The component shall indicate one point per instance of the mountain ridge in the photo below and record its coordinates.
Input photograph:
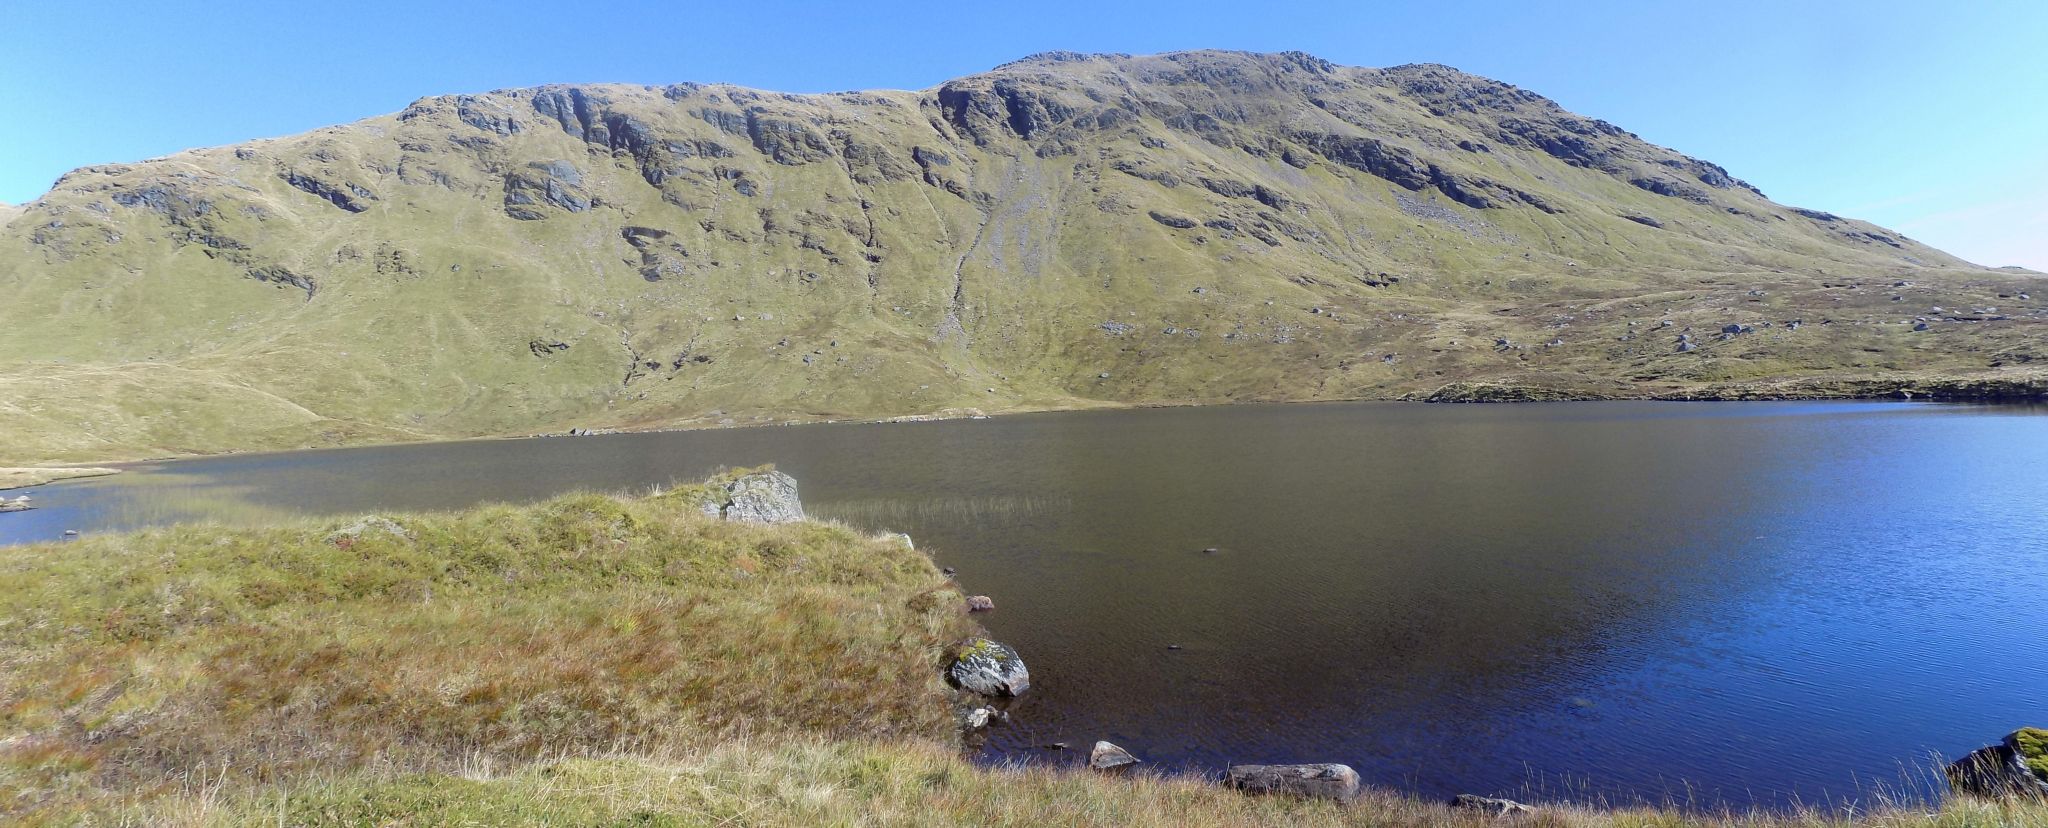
(1065, 230)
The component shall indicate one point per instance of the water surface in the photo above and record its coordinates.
(1714, 603)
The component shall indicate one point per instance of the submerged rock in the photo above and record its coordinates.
(1486, 804)
(1108, 757)
(2017, 766)
(990, 668)
(1315, 781)
(761, 497)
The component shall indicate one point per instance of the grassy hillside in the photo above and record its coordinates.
(591, 660)
(1063, 231)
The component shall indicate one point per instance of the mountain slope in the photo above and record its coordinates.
(1064, 231)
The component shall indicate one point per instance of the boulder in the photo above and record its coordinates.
(990, 668)
(760, 497)
(980, 603)
(1319, 781)
(2017, 766)
(1489, 805)
(1107, 757)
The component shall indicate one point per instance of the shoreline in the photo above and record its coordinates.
(2006, 390)
(25, 477)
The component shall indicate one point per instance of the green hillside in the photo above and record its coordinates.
(1063, 231)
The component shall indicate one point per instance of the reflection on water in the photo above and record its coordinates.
(1707, 603)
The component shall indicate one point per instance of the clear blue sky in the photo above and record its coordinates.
(1928, 117)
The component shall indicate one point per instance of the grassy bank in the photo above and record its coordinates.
(591, 660)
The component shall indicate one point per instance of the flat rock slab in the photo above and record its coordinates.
(1313, 781)
(1490, 805)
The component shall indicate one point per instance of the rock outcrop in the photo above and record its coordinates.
(990, 668)
(2016, 766)
(1313, 781)
(760, 497)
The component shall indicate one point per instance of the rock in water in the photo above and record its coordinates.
(1321, 781)
(1496, 807)
(1108, 757)
(761, 497)
(990, 668)
(2017, 766)
(980, 603)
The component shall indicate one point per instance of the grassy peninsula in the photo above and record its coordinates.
(589, 660)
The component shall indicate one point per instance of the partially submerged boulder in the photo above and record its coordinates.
(980, 603)
(990, 668)
(1107, 757)
(758, 497)
(2016, 766)
(1312, 781)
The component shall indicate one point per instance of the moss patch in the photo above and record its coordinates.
(2033, 747)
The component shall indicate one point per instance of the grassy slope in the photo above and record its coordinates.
(134, 325)
(591, 660)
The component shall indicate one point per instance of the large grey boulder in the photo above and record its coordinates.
(760, 497)
(1315, 781)
(2017, 766)
(990, 668)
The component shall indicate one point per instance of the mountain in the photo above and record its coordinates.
(1064, 231)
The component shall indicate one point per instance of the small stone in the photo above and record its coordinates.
(1110, 758)
(1103, 375)
(1173, 646)
(980, 603)
(71, 533)
(977, 718)
(1211, 551)
(946, 570)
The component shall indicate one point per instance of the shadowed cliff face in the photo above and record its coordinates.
(1067, 230)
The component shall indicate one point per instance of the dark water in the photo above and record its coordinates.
(1714, 603)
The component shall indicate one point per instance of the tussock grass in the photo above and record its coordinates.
(500, 635)
(590, 660)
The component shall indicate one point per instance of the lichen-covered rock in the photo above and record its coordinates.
(760, 497)
(2017, 766)
(1313, 781)
(1490, 805)
(990, 668)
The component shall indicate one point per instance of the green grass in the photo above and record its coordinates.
(124, 335)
